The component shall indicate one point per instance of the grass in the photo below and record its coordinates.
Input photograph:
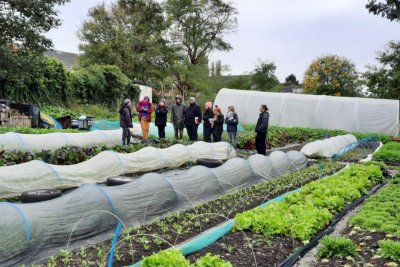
(389, 153)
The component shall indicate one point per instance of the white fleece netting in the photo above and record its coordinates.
(40, 175)
(37, 142)
(328, 147)
(354, 114)
(48, 224)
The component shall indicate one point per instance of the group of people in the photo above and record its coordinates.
(189, 117)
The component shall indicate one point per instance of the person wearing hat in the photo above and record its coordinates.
(208, 118)
(145, 108)
(177, 119)
(161, 118)
(193, 116)
(217, 125)
(262, 130)
(125, 121)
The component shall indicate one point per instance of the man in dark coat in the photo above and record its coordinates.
(161, 118)
(208, 117)
(193, 118)
(125, 121)
(262, 130)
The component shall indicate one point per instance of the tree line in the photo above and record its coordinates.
(162, 44)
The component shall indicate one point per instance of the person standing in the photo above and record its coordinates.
(193, 116)
(217, 125)
(161, 118)
(262, 130)
(208, 118)
(145, 108)
(232, 121)
(177, 118)
(125, 121)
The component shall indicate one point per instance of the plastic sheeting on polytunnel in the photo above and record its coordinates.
(354, 114)
(29, 232)
(37, 142)
(40, 175)
(328, 147)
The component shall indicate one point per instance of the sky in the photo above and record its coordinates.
(290, 33)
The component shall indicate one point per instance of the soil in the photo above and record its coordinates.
(255, 250)
(367, 250)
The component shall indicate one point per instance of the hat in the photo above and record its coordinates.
(178, 96)
(126, 101)
(192, 99)
(162, 100)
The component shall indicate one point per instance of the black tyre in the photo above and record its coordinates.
(210, 163)
(112, 181)
(39, 195)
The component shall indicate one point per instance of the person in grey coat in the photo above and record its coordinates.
(125, 121)
(177, 118)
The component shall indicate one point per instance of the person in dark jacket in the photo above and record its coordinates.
(217, 125)
(208, 118)
(161, 118)
(232, 121)
(262, 130)
(193, 116)
(177, 119)
(125, 121)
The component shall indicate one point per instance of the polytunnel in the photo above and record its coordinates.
(330, 146)
(354, 114)
(30, 232)
(37, 174)
(37, 142)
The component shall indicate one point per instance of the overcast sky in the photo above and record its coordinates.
(291, 33)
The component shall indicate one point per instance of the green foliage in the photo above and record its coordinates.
(386, 8)
(166, 258)
(332, 75)
(384, 81)
(212, 261)
(22, 42)
(340, 247)
(240, 82)
(291, 80)
(389, 153)
(128, 34)
(102, 84)
(306, 212)
(98, 111)
(381, 212)
(389, 249)
(263, 77)
(26, 130)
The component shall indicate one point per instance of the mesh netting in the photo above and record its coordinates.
(29, 232)
(330, 146)
(37, 142)
(40, 175)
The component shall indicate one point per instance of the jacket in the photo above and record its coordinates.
(231, 121)
(262, 123)
(177, 118)
(208, 114)
(191, 112)
(161, 116)
(148, 112)
(219, 124)
(125, 117)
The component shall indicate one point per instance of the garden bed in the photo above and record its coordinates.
(184, 225)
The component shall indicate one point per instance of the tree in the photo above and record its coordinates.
(291, 80)
(22, 24)
(386, 8)
(198, 27)
(332, 75)
(384, 81)
(218, 68)
(263, 77)
(130, 35)
(212, 70)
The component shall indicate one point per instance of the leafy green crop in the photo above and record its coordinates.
(336, 247)
(304, 213)
(381, 212)
(389, 153)
(389, 249)
(212, 261)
